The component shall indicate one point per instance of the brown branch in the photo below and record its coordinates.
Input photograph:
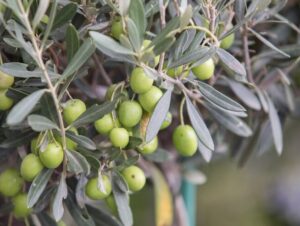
(102, 70)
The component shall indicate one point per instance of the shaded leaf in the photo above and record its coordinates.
(82, 55)
(199, 125)
(41, 123)
(205, 152)
(61, 194)
(94, 113)
(231, 63)
(77, 163)
(18, 139)
(20, 111)
(38, 186)
(137, 14)
(276, 127)
(64, 15)
(231, 122)
(72, 41)
(218, 98)
(160, 155)
(102, 218)
(83, 141)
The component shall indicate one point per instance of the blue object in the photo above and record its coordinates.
(189, 193)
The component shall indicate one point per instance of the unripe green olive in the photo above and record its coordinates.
(145, 44)
(5, 101)
(111, 203)
(150, 147)
(31, 166)
(71, 145)
(139, 82)
(52, 156)
(61, 223)
(185, 140)
(6, 80)
(92, 190)
(2, 8)
(204, 71)
(73, 109)
(117, 28)
(10, 182)
(177, 72)
(21, 210)
(167, 122)
(227, 42)
(119, 137)
(149, 99)
(105, 124)
(130, 113)
(134, 177)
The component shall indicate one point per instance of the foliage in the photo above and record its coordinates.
(52, 51)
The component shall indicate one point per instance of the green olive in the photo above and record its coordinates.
(150, 147)
(52, 156)
(117, 28)
(139, 82)
(31, 166)
(73, 109)
(130, 113)
(92, 190)
(5, 101)
(204, 71)
(34, 145)
(10, 182)
(134, 177)
(111, 203)
(228, 41)
(119, 137)
(105, 124)
(185, 140)
(6, 80)
(109, 91)
(167, 122)
(149, 99)
(71, 145)
(21, 210)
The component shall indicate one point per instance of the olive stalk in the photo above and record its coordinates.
(41, 64)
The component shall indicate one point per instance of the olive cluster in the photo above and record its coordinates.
(6, 81)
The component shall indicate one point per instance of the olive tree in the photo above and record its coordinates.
(99, 98)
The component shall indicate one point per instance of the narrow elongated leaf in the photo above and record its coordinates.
(82, 55)
(164, 45)
(77, 163)
(197, 56)
(80, 215)
(102, 218)
(231, 63)
(199, 125)
(38, 186)
(267, 43)
(158, 116)
(160, 155)
(137, 14)
(61, 194)
(19, 70)
(134, 36)
(40, 12)
(186, 16)
(107, 45)
(41, 123)
(245, 95)
(231, 122)
(218, 98)
(18, 139)
(94, 113)
(122, 201)
(64, 15)
(276, 127)
(205, 152)
(24, 107)
(83, 141)
(72, 41)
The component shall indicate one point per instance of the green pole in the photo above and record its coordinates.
(189, 193)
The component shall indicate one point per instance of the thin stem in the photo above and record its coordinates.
(181, 111)
(10, 219)
(162, 10)
(247, 55)
(51, 88)
(26, 221)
